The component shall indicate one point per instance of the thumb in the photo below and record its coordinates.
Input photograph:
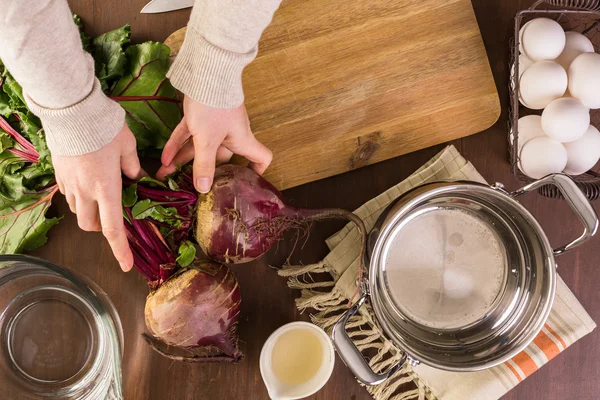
(204, 167)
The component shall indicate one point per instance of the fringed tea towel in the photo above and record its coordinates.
(568, 321)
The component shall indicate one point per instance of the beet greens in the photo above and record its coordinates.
(158, 217)
(134, 75)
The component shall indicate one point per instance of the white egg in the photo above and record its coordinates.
(541, 83)
(565, 119)
(530, 126)
(521, 37)
(584, 79)
(583, 153)
(575, 45)
(524, 63)
(542, 39)
(542, 156)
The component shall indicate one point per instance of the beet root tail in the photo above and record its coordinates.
(341, 214)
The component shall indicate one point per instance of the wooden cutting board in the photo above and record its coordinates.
(341, 84)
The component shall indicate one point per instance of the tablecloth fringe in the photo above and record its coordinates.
(329, 305)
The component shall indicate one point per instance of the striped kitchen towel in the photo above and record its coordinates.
(568, 322)
(328, 299)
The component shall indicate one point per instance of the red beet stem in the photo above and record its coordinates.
(27, 147)
(166, 194)
(144, 260)
(24, 155)
(339, 214)
(140, 264)
(150, 250)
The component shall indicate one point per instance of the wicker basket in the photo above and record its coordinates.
(582, 16)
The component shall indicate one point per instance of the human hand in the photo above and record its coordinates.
(211, 136)
(92, 185)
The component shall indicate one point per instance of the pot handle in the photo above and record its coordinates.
(576, 199)
(352, 357)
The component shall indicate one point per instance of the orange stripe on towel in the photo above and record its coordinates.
(525, 363)
(547, 345)
(556, 335)
(514, 371)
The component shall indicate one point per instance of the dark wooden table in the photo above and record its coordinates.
(268, 303)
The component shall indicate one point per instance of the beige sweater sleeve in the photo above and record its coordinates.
(221, 39)
(40, 46)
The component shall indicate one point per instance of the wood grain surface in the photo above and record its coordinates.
(267, 301)
(354, 83)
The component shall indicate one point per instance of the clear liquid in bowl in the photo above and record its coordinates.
(52, 338)
(60, 336)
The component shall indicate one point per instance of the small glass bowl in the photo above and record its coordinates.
(60, 336)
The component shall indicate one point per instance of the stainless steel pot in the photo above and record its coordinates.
(461, 276)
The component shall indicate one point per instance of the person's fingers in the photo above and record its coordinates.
(71, 202)
(87, 215)
(178, 138)
(61, 186)
(130, 165)
(185, 155)
(223, 155)
(204, 164)
(111, 218)
(257, 153)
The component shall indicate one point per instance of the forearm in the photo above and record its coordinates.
(40, 46)
(221, 39)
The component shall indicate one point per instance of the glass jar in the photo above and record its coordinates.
(60, 336)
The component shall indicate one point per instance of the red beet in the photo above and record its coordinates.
(193, 305)
(239, 220)
(197, 310)
(243, 216)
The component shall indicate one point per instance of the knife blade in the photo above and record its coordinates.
(160, 6)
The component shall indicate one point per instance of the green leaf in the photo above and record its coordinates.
(155, 210)
(5, 108)
(37, 236)
(23, 224)
(14, 92)
(30, 124)
(31, 128)
(172, 184)
(164, 231)
(5, 141)
(35, 177)
(130, 196)
(85, 39)
(187, 253)
(109, 55)
(150, 119)
(152, 181)
(11, 179)
(143, 209)
(126, 217)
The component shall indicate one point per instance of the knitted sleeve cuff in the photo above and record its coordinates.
(83, 127)
(209, 74)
